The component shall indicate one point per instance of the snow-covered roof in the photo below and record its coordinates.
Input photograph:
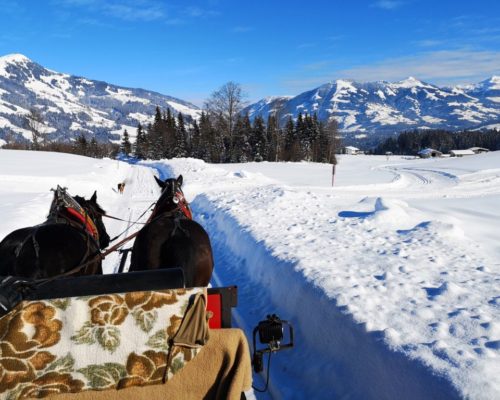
(352, 148)
(429, 151)
(474, 149)
(468, 152)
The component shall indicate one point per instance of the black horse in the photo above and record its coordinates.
(173, 239)
(72, 236)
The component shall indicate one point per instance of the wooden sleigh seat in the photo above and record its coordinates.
(123, 344)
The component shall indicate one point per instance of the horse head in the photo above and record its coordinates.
(172, 197)
(95, 212)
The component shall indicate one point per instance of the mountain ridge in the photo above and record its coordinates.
(382, 107)
(72, 105)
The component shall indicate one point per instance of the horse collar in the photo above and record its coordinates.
(73, 212)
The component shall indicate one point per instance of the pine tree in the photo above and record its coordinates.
(259, 140)
(218, 147)
(290, 141)
(180, 147)
(93, 149)
(299, 139)
(272, 138)
(155, 137)
(315, 137)
(141, 145)
(154, 143)
(81, 145)
(126, 146)
(206, 138)
(195, 143)
(169, 135)
(238, 142)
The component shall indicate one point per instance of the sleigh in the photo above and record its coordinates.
(135, 335)
(140, 334)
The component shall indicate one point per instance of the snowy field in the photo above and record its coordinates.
(391, 278)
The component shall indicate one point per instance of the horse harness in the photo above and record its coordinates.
(66, 210)
(180, 212)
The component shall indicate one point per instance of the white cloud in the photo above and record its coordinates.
(197, 12)
(128, 10)
(388, 4)
(440, 67)
(444, 67)
(428, 43)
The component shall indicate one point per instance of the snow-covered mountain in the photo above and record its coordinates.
(72, 105)
(383, 107)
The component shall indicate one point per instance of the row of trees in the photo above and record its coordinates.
(39, 141)
(224, 134)
(81, 147)
(167, 137)
(411, 142)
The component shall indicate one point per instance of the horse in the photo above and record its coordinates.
(172, 239)
(68, 242)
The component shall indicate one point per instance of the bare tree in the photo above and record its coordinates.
(34, 122)
(224, 105)
(333, 140)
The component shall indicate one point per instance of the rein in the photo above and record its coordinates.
(94, 258)
(124, 220)
(135, 222)
(102, 255)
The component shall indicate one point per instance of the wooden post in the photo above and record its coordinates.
(333, 174)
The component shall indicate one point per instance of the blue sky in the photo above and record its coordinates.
(188, 49)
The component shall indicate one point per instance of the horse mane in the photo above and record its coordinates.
(83, 202)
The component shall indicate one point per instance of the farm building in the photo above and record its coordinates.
(429, 153)
(479, 150)
(351, 150)
(461, 153)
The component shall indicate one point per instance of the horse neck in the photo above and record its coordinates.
(164, 208)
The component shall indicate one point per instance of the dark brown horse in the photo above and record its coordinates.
(173, 239)
(72, 235)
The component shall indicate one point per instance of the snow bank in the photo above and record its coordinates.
(389, 300)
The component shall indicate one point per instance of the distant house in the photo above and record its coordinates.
(429, 153)
(351, 150)
(479, 150)
(461, 153)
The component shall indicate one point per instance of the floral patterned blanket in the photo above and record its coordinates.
(101, 342)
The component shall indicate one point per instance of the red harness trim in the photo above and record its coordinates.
(87, 222)
(183, 205)
(186, 211)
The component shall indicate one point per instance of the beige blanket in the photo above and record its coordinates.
(221, 370)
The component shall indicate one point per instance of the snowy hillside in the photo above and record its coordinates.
(383, 107)
(72, 105)
(391, 278)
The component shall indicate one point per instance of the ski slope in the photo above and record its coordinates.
(391, 278)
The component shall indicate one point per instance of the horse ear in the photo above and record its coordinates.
(93, 199)
(179, 180)
(159, 182)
